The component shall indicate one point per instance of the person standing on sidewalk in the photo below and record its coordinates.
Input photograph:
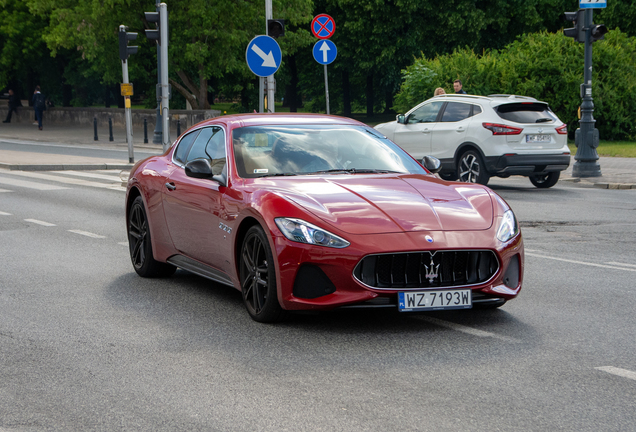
(14, 103)
(39, 105)
(459, 88)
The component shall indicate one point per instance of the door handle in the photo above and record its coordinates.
(461, 129)
(171, 186)
(426, 131)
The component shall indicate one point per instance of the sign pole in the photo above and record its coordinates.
(127, 107)
(269, 14)
(327, 89)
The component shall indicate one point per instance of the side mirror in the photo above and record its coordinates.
(401, 118)
(200, 168)
(432, 164)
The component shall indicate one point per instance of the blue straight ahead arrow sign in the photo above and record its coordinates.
(263, 56)
(325, 52)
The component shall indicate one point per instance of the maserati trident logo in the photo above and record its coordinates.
(432, 271)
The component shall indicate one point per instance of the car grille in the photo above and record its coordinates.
(429, 269)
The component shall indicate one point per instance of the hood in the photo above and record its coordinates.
(359, 204)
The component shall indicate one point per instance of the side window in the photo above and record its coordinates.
(184, 147)
(426, 113)
(210, 144)
(476, 110)
(456, 111)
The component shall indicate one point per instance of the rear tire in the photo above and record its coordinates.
(471, 168)
(258, 278)
(544, 181)
(140, 244)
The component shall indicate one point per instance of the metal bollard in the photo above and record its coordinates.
(110, 129)
(95, 127)
(145, 131)
(178, 128)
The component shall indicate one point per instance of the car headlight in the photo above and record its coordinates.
(508, 228)
(303, 232)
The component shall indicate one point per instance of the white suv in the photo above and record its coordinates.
(477, 137)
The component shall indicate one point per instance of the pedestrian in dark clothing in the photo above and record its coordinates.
(39, 105)
(14, 103)
(459, 88)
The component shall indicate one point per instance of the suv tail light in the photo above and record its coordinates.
(499, 129)
(562, 130)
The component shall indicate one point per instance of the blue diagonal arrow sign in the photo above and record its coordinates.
(325, 52)
(263, 56)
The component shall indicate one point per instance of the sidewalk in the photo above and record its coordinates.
(617, 173)
(80, 136)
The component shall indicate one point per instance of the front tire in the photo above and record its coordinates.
(544, 181)
(258, 277)
(140, 245)
(471, 168)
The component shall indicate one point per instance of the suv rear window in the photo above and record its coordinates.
(526, 113)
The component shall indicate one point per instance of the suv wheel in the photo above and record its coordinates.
(544, 181)
(471, 168)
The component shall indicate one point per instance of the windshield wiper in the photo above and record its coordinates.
(543, 120)
(280, 174)
(356, 171)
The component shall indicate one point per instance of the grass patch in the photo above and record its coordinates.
(612, 148)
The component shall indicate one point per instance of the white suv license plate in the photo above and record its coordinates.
(435, 300)
(538, 138)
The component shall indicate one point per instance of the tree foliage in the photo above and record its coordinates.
(543, 65)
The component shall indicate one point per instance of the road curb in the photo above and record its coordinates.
(65, 167)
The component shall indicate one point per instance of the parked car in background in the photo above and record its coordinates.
(314, 212)
(477, 137)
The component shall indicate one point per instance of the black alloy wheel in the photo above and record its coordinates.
(140, 245)
(471, 168)
(544, 181)
(258, 277)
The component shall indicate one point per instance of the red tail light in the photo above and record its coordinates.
(562, 130)
(499, 129)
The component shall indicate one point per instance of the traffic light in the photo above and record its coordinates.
(155, 34)
(597, 32)
(578, 31)
(275, 28)
(124, 37)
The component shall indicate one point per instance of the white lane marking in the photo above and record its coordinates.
(580, 262)
(39, 222)
(114, 179)
(4, 213)
(5, 190)
(87, 234)
(617, 371)
(466, 329)
(621, 264)
(123, 243)
(30, 185)
(66, 180)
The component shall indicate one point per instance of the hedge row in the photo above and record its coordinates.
(545, 66)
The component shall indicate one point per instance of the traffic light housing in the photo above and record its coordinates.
(578, 31)
(597, 32)
(155, 34)
(124, 49)
(275, 28)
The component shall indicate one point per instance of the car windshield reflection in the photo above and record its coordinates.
(317, 150)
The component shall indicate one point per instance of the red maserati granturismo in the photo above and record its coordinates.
(316, 212)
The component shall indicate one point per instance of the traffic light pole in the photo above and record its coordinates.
(163, 27)
(157, 136)
(269, 14)
(587, 137)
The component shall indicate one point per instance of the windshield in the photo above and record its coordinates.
(262, 151)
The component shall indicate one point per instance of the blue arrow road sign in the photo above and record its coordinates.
(592, 4)
(325, 52)
(263, 56)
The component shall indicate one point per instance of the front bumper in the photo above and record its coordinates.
(320, 278)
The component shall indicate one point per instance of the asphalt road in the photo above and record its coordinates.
(86, 344)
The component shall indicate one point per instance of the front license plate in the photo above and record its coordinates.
(435, 300)
(538, 138)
